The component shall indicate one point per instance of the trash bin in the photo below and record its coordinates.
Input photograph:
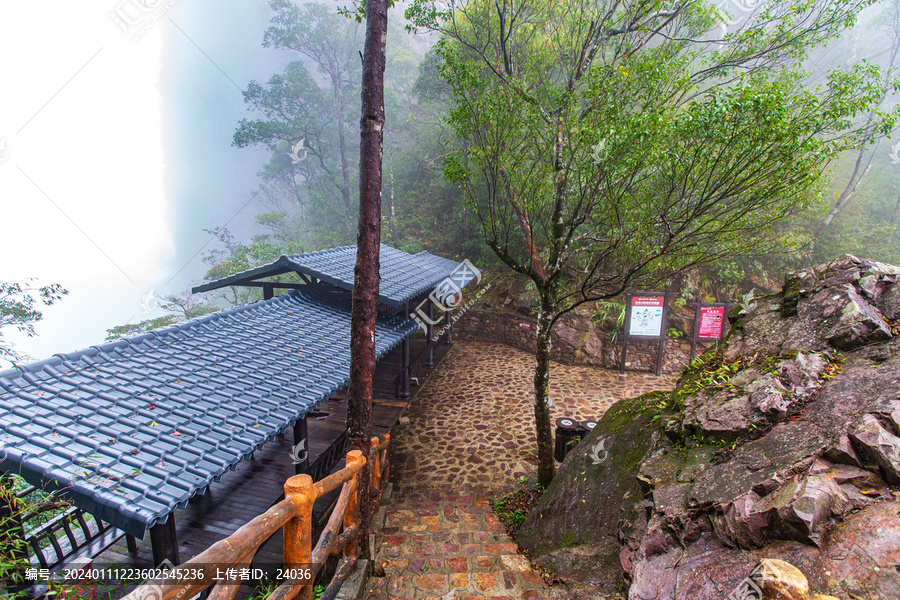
(568, 432)
(588, 425)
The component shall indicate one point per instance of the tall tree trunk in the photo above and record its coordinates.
(546, 466)
(368, 240)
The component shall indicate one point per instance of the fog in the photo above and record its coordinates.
(116, 127)
(118, 152)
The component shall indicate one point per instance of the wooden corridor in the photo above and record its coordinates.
(258, 483)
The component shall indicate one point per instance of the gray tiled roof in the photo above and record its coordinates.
(403, 276)
(134, 428)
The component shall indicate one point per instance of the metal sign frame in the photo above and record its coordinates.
(629, 296)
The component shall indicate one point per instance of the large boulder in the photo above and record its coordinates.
(784, 445)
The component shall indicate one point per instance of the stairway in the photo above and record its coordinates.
(447, 543)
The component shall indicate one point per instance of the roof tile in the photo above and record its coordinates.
(101, 423)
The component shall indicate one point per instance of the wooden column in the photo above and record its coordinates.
(268, 291)
(404, 364)
(164, 542)
(301, 436)
(429, 333)
(449, 339)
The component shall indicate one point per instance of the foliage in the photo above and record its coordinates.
(132, 329)
(606, 146)
(513, 508)
(19, 308)
(38, 507)
(181, 307)
(307, 118)
(235, 257)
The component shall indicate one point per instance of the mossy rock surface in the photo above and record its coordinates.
(785, 444)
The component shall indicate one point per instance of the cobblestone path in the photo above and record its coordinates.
(470, 438)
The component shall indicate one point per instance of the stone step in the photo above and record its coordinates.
(479, 563)
(494, 584)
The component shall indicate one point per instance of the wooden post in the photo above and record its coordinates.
(696, 334)
(268, 291)
(449, 338)
(662, 334)
(164, 542)
(404, 364)
(386, 444)
(429, 333)
(627, 326)
(298, 530)
(375, 482)
(301, 436)
(352, 514)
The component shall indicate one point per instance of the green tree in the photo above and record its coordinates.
(317, 109)
(235, 256)
(864, 153)
(607, 145)
(181, 307)
(19, 308)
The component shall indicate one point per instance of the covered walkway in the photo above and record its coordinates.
(134, 430)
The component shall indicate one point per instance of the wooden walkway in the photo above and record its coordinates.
(258, 483)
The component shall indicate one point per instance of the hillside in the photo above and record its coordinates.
(785, 445)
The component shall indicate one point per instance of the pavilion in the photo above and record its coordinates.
(132, 430)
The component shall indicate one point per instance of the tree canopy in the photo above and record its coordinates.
(20, 308)
(604, 145)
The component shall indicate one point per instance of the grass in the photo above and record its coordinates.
(512, 510)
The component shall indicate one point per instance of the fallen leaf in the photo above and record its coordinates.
(177, 432)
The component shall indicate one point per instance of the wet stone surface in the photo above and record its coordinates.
(470, 438)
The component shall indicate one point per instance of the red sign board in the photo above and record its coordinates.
(648, 301)
(711, 320)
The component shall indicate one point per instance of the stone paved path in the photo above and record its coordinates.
(470, 439)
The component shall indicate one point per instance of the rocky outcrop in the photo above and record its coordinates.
(785, 445)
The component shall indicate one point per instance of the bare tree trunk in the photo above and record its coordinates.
(853, 183)
(543, 428)
(368, 240)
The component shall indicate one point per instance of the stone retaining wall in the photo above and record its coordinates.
(576, 341)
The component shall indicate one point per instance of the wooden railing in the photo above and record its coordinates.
(293, 514)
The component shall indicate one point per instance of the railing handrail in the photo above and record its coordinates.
(294, 514)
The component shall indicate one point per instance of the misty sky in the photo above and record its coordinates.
(115, 150)
(118, 151)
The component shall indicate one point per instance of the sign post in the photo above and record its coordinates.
(646, 314)
(710, 322)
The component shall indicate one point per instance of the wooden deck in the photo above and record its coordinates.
(256, 484)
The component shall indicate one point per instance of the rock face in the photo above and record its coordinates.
(577, 340)
(786, 445)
